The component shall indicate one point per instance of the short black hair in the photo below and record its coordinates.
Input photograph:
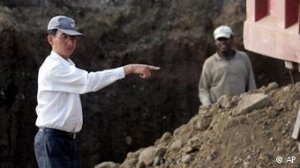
(52, 32)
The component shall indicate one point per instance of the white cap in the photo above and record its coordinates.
(64, 24)
(223, 31)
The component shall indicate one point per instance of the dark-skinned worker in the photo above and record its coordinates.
(227, 72)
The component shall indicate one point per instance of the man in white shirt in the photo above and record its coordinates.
(59, 111)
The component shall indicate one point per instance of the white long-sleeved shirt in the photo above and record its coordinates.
(59, 85)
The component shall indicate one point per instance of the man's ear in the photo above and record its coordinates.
(216, 42)
(50, 39)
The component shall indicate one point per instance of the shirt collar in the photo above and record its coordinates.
(61, 59)
(219, 58)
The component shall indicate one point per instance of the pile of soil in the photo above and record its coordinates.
(228, 136)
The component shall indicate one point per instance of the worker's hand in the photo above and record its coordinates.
(144, 71)
(205, 107)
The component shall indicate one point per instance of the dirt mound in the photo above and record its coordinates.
(252, 130)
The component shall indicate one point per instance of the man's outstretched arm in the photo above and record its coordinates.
(144, 71)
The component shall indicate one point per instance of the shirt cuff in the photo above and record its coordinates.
(120, 71)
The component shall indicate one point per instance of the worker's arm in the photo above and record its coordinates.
(251, 79)
(204, 86)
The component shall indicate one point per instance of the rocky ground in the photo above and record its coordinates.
(249, 131)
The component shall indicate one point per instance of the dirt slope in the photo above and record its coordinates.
(219, 137)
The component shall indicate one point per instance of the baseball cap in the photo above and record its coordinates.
(223, 31)
(64, 24)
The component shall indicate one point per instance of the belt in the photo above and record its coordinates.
(71, 135)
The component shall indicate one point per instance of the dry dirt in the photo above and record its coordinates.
(215, 138)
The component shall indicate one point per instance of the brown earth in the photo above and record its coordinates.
(216, 138)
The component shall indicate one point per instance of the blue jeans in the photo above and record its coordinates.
(55, 149)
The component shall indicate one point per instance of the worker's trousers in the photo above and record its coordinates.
(55, 149)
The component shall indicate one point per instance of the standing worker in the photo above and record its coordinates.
(59, 111)
(227, 72)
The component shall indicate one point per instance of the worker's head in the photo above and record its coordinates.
(223, 32)
(62, 35)
(223, 38)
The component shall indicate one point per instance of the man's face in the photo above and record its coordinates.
(63, 44)
(224, 44)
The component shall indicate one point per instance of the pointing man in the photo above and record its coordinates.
(60, 82)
